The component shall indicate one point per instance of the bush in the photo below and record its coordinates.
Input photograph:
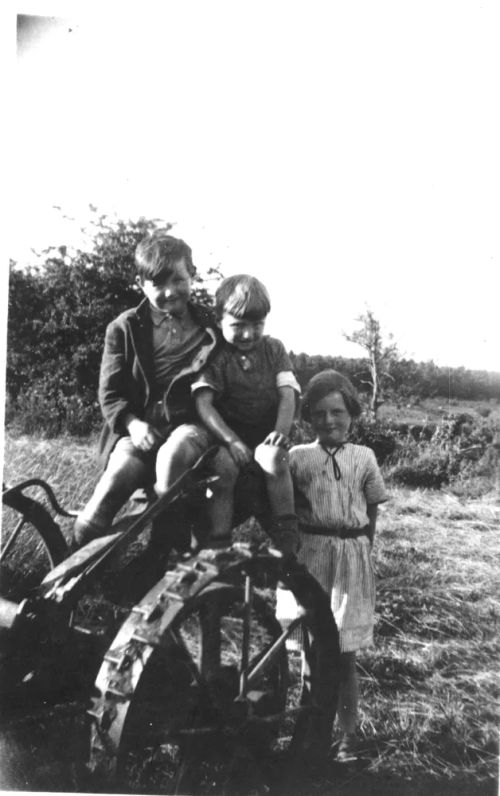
(428, 470)
(379, 435)
(458, 450)
(41, 410)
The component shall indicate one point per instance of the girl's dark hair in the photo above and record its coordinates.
(242, 296)
(156, 255)
(323, 384)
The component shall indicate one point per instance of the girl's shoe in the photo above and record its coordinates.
(348, 751)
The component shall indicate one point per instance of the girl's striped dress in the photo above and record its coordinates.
(333, 489)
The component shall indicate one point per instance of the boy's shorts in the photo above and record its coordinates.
(197, 436)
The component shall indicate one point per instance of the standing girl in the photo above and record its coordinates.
(338, 487)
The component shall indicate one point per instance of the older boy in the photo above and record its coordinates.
(151, 356)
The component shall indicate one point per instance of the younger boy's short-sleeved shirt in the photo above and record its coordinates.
(246, 385)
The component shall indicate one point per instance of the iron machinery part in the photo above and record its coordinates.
(9, 491)
(44, 539)
(19, 619)
(9, 611)
(37, 656)
(71, 578)
(194, 691)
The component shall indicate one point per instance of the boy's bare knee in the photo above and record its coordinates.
(226, 469)
(178, 449)
(187, 441)
(176, 455)
(272, 459)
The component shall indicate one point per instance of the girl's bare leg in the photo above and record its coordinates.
(348, 694)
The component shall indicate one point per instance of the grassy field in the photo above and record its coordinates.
(430, 685)
(434, 409)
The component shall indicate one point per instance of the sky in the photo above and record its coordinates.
(345, 153)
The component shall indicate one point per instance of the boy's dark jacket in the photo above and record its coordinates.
(126, 377)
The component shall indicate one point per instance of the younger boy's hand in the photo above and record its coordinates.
(280, 440)
(144, 436)
(241, 453)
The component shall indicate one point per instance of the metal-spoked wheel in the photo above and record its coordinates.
(187, 729)
(194, 693)
(32, 542)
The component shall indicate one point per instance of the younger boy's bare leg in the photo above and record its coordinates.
(221, 506)
(274, 462)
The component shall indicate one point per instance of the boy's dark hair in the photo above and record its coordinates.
(156, 254)
(242, 296)
(323, 384)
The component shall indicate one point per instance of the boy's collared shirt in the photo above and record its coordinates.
(246, 383)
(175, 342)
(126, 383)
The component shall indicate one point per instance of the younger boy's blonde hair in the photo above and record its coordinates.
(243, 296)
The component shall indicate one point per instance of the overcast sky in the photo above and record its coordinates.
(346, 153)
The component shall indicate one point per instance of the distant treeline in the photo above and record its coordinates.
(409, 379)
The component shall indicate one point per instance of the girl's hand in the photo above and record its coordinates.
(144, 436)
(240, 452)
(280, 440)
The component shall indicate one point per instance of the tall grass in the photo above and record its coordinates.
(430, 685)
(69, 464)
(70, 468)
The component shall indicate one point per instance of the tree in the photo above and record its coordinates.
(380, 357)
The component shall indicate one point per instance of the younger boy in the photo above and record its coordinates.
(246, 397)
(151, 356)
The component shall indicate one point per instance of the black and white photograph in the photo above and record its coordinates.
(216, 580)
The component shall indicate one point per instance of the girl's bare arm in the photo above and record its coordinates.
(372, 510)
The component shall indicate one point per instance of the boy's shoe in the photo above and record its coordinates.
(348, 750)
